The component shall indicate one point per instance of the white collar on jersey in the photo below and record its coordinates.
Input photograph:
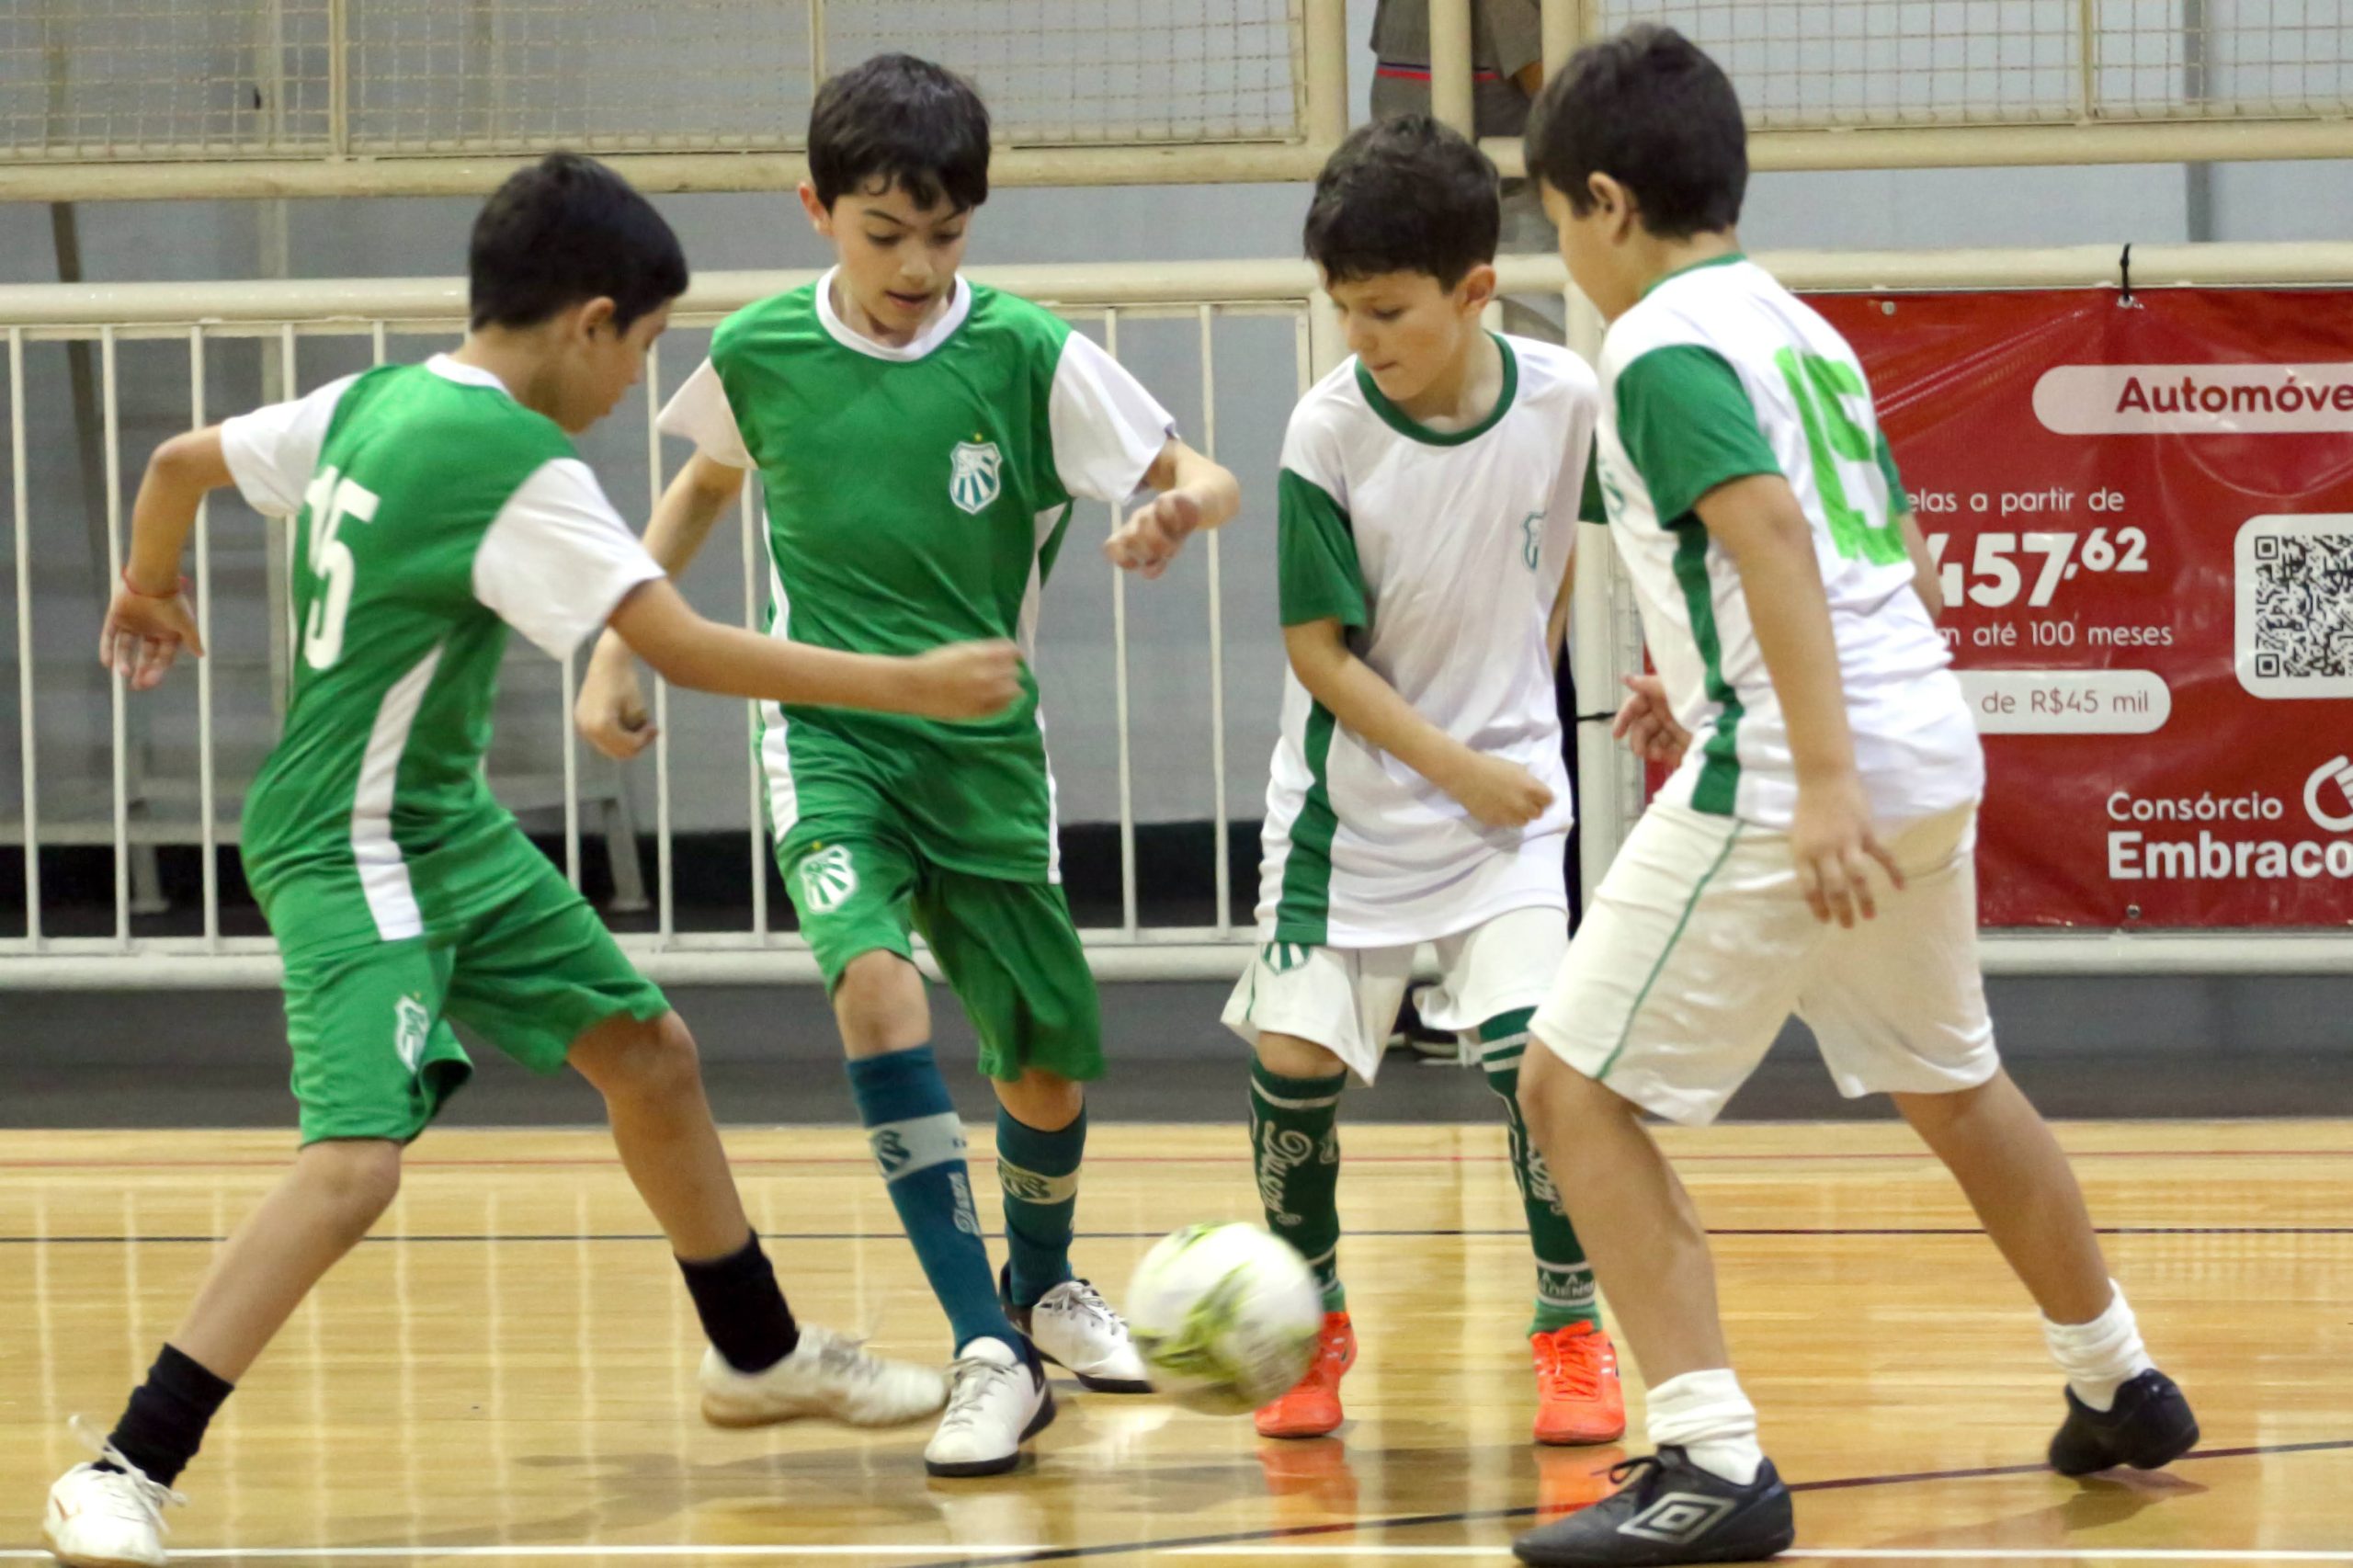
(932, 337)
(450, 370)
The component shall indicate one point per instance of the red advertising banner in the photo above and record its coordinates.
(2143, 513)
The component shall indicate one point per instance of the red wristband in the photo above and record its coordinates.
(140, 593)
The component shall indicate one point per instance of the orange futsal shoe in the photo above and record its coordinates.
(1579, 1399)
(1312, 1409)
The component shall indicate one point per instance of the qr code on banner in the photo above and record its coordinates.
(2295, 605)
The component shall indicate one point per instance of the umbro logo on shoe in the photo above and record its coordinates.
(1678, 1519)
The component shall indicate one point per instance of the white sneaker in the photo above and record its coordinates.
(827, 1374)
(996, 1401)
(1076, 1328)
(107, 1518)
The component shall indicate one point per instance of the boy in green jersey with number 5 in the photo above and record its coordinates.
(920, 441)
(435, 506)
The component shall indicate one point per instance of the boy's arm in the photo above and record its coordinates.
(610, 710)
(1924, 567)
(1497, 791)
(1195, 493)
(149, 617)
(963, 680)
(1761, 524)
(1556, 625)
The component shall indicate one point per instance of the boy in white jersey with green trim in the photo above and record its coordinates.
(920, 443)
(435, 506)
(1813, 852)
(1429, 495)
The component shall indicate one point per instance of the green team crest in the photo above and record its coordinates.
(828, 879)
(973, 480)
(410, 1024)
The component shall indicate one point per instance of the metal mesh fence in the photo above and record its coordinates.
(122, 79)
(1888, 62)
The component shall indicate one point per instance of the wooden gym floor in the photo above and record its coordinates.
(504, 1372)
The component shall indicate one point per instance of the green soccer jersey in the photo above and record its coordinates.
(917, 495)
(432, 512)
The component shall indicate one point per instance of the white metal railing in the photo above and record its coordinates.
(285, 317)
(1606, 638)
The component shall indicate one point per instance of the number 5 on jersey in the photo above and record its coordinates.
(329, 500)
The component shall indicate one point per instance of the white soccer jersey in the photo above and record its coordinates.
(1442, 553)
(1718, 373)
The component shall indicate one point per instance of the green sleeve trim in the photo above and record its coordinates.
(1316, 546)
(1687, 426)
(1717, 789)
(1591, 506)
(1898, 501)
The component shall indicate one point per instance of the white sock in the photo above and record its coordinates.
(1706, 1415)
(2102, 1355)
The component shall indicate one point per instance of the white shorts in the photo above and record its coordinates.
(1345, 999)
(1699, 947)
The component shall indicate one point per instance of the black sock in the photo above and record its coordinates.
(163, 1424)
(742, 1310)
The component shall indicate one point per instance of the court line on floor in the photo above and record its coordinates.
(1472, 1234)
(993, 1555)
(1264, 1543)
(754, 1161)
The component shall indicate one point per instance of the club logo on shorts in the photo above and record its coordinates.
(827, 880)
(411, 1025)
(972, 480)
(1678, 1519)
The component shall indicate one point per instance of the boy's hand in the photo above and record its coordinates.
(144, 634)
(965, 680)
(1647, 725)
(610, 710)
(1833, 846)
(1499, 792)
(1153, 535)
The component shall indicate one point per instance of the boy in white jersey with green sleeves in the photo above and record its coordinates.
(1429, 494)
(1812, 852)
(920, 442)
(434, 507)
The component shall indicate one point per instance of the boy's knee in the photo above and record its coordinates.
(1289, 1056)
(1044, 1099)
(879, 1002)
(1551, 1090)
(653, 1058)
(356, 1178)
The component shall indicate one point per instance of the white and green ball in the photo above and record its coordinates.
(1226, 1317)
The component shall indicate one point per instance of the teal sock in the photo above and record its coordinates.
(1295, 1144)
(1565, 1287)
(1037, 1172)
(919, 1141)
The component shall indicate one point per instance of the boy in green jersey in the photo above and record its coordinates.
(437, 506)
(920, 441)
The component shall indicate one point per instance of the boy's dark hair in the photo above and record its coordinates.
(905, 122)
(1403, 195)
(565, 231)
(1649, 110)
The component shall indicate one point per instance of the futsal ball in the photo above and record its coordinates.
(1226, 1317)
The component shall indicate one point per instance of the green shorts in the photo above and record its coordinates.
(1008, 949)
(374, 1056)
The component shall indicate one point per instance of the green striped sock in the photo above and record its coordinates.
(1565, 1287)
(1295, 1146)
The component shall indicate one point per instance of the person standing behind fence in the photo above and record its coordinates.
(1507, 72)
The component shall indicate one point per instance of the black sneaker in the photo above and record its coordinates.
(1668, 1511)
(2149, 1425)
